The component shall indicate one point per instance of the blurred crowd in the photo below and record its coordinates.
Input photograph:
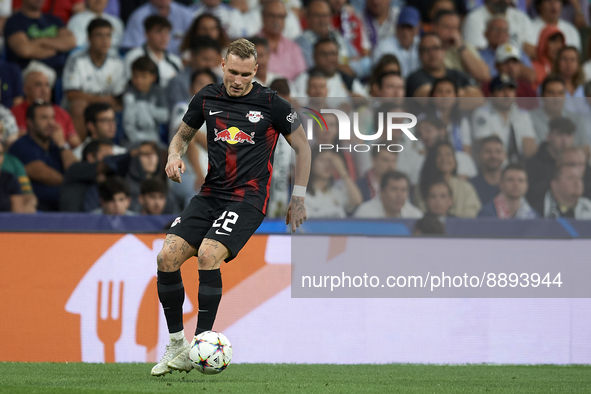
(93, 91)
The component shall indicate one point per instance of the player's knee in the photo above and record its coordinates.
(207, 258)
(165, 262)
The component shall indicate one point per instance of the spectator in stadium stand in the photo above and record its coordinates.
(382, 162)
(389, 85)
(317, 88)
(152, 197)
(392, 201)
(79, 192)
(408, 162)
(565, 197)
(575, 157)
(204, 25)
(405, 43)
(264, 76)
(206, 54)
(13, 166)
(37, 88)
(432, 54)
(549, 15)
(95, 9)
(12, 84)
(459, 55)
(326, 60)
(553, 93)
(430, 130)
(99, 119)
(93, 75)
(550, 42)
(491, 156)
(197, 158)
(44, 153)
(11, 196)
(179, 16)
(428, 225)
(346, 21)
(484, 24)
(33, 35)
(148, 164)
(541, 166)
(380, 19)
(145, 108)
(115, 197)
(501, 116)
(281, 86)
(387, 63)
(445, 106)
(232, 19)
(9, 131)
(510, 203)
(440, 164)
(285, 56)
(507, 61)
(63, 9)
(439, 200)
(568, 66)
(254, 18)
(318, 19)
(433, 7)
(325, 137)
(576, 12)
(500, 49)
(325, 196)
(157, 37)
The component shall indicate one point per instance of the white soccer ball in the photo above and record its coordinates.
(211, 352)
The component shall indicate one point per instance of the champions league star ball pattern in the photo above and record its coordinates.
(211, 352)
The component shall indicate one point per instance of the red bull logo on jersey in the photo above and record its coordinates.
(233, 135)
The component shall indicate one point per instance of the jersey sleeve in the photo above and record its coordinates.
(194, 117)
(72, 79)
(13, 186)
(284, 117)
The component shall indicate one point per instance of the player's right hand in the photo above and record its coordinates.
(174, 168)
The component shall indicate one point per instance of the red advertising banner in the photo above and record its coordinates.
(92, 297)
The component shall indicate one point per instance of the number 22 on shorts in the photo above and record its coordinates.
(229, 218)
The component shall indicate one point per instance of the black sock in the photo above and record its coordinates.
(210, 295)
(171, 293)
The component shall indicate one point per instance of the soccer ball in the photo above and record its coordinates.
(210, 353)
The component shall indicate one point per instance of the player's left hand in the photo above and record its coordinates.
(296, 213)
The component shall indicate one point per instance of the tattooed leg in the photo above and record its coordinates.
(171, 291)
(211, 254)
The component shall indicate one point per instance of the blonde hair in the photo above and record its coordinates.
(242, 48)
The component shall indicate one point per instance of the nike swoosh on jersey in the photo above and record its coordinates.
(216, 112)
(218, 232)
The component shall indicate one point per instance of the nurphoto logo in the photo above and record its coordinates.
(392, 120)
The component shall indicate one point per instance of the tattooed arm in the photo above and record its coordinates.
(178, 147)
(296, 214)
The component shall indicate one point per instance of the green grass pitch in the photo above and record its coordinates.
(81, 378)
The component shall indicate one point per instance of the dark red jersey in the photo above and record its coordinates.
(242, 133)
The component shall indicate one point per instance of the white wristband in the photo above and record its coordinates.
(299, 191)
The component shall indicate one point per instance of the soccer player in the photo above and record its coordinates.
(244, 121)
